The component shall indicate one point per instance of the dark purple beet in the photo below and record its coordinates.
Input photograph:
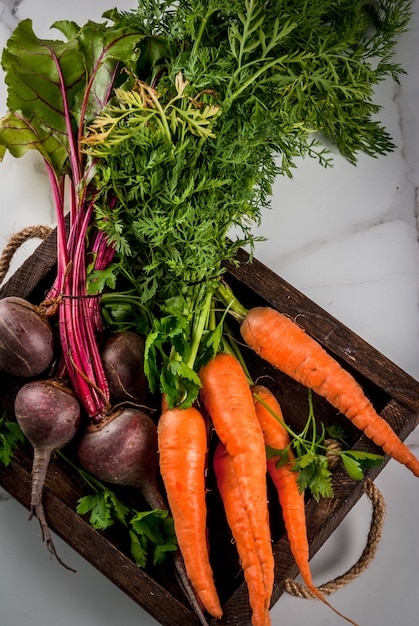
(123, 362)
(122, 449)
(26, 339)
(49, 416)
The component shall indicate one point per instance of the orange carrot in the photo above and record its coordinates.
(285, 481)
(182, 440)
(227, 397)
(286, 346)
(239, 524)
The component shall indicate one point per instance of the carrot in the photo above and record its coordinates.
(182, 441)
(239, 524)
(286, 346)
(227, 397)
(285, 481)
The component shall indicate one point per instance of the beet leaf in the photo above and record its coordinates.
(55, 88)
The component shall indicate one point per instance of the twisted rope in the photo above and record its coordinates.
(16, 240)
(378, 513)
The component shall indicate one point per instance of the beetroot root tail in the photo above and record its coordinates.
(38, 511)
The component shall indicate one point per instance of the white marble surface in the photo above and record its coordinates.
(348, 238)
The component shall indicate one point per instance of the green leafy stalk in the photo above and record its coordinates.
(54, 89)
(216, 100)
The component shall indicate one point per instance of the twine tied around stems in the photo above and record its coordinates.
(378, 513)
(16, 240)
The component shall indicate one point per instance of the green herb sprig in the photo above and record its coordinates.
(311, 448)
(11, 437)
(151, 532)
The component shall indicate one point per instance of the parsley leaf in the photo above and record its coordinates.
(314, 474)
(152, 532)
(355, 461)
(10, 438)
(311, 455)
(104, 507)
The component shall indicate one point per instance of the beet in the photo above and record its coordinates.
(26, 338)
(122, 449)
(123, 362)
(49, 416)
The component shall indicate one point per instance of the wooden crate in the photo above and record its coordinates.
(394, 394)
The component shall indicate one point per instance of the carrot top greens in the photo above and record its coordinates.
(224, 98)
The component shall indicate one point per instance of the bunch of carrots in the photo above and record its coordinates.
(246, 419)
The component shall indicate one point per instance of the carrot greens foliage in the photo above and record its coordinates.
(225, 97)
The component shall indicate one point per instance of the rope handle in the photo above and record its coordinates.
(377, 520)
(16, 240)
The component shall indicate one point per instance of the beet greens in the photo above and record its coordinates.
(52, 95)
